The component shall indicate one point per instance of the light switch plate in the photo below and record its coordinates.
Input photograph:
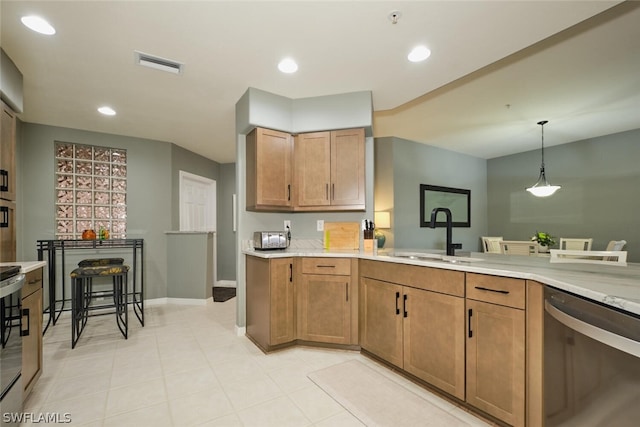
(320, 225)
(287, 225)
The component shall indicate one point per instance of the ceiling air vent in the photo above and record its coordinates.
(158, 63)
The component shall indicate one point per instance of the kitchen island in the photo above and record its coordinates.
(469, 327)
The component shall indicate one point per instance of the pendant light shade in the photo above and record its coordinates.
(542, 188)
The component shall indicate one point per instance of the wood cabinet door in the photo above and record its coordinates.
(381, 319)
(281, 301)
(434, 339)
(269, 158)
(496, 361)
(324, 312)
(312, 169)
(347, 167)
(7, 231)
(7, 154)
(32, 343)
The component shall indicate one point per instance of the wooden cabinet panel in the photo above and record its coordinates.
(434, 343)
(32, 343)
(282, 301)
(330, 170)
(496, 361)
(324, 309)
(347, 167)
(326, 265)
(7, 231)
(7, 153)
(312, 154)
(269, 171)
(270, 301)
(381, 319)
(497, 290)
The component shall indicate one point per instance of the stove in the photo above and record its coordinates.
(8, 271)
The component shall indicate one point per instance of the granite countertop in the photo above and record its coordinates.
(617, 286)
(25, 266)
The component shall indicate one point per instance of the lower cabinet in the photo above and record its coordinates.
(420, 331)
(496, 346)
(32, 343)
(270, 301)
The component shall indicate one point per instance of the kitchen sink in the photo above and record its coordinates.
(436, 257)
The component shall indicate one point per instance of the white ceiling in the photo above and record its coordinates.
(585, 81)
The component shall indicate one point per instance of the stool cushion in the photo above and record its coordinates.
(106, 270)
(96, 262)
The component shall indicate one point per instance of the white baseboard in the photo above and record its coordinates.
(179, 301)
(226, 283)
(241, 330)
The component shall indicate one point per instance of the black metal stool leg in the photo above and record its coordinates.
(120, 299)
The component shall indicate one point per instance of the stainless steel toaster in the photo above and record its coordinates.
(263, 240)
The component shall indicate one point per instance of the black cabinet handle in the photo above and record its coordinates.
(4, 216)
(4, 180)
(289, 192)
(499, 291)
(404, 306)
(470, 331)
(325, 266)
(346, 288)
(326, 191)
(25, 313)
(290, 272)
(397, 299)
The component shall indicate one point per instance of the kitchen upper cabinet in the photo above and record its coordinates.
(329, 170)
(417, 329)
(7, 231)
(496, 346)
(325, 300)
(7, 153)
(270, 304)
(32, 343)
(269, 156)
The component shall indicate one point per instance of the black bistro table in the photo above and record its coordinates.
(54, 250)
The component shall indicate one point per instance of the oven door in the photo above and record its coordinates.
(591, 363)
(11, 331)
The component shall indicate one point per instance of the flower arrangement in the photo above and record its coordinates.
(543, 239)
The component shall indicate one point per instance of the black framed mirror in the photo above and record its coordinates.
(457, 200)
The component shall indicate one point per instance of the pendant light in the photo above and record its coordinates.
(542, 188)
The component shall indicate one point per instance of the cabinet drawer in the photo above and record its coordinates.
(32, 282)
(321, 265)
(497, 290)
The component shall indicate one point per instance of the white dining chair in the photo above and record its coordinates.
(618, 258)
(575, 244)
(519, 247)
(614, 245)
(491, 244)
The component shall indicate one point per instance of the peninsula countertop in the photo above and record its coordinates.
(616, 286)
(25, 266)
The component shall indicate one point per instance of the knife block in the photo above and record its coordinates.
(369, 246)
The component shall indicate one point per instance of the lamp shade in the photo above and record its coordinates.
(382, 219)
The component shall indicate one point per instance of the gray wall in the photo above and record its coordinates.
(151, 200)
(226, 251)
(401, 166)
(599, 198)
(188, 161)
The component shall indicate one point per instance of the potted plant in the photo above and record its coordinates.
(544, 240)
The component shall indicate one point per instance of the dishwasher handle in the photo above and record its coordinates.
(609, 338)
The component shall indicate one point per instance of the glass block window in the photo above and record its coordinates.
(91, 190)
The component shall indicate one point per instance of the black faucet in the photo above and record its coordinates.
(451, 247)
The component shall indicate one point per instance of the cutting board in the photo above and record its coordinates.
(342, 235)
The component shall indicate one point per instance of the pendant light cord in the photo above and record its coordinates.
(542, 123)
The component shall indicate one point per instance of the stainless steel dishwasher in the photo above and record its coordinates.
(591, 363)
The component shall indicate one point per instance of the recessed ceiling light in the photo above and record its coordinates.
(288, 66)
(38, 25)
(419, 53)
(107, 111)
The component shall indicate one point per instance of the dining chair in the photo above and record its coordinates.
(518, 247)
(614, 245)
(589, 257)
(575, 244)
(491, 244)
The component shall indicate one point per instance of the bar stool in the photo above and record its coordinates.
(82, 294)
(97, 262)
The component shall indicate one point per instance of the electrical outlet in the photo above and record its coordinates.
(287, 225)
(320, 225)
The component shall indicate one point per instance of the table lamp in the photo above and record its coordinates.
(382, 220)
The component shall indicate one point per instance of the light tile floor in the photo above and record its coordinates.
(187, 367)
